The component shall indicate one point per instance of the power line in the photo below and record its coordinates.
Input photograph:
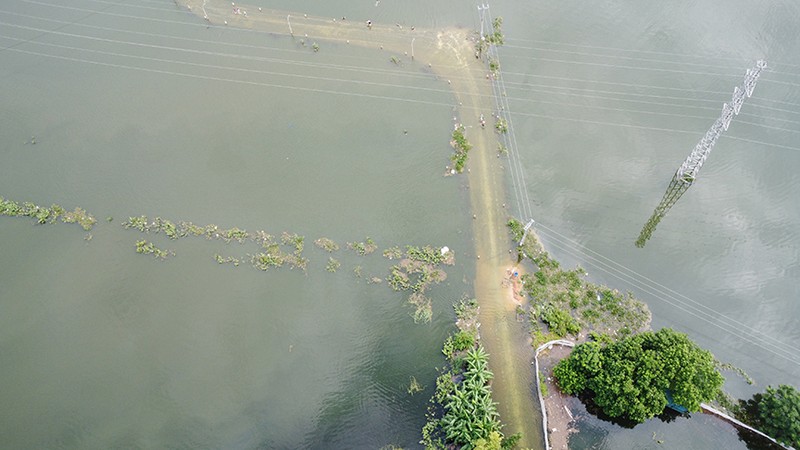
(753, 336)
(353, 68)
(361, 69)
(670, 297)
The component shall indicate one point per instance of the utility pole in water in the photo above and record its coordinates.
(687, 172)
(482, 9)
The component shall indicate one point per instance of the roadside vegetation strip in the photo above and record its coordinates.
(43, 214)
(563, 303)
(462, 413)
(462, 147)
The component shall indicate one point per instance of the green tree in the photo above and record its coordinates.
(630, 378)
(779, 414)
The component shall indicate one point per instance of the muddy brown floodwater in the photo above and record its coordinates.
(449, 54)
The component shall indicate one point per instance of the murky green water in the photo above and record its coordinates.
(139, 108)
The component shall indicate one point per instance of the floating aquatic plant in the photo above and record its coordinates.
(393, 253)
(47, 215)
(266, 261)
(235, 234)
(295, 240)
(398, 279)
(326, 244)
(363, 248)
(333, 265)
(148, 248)
(226, 260)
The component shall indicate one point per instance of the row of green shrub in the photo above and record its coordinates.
(462, 148)
(462, 413)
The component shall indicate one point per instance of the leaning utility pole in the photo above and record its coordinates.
(687, 172)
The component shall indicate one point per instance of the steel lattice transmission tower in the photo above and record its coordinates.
(687, 172)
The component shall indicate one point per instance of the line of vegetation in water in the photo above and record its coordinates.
(418, 267)
(43, 214)
(624, 368)
(417, 270)
(461, 413)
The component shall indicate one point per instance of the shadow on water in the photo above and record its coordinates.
(600, 431)
(669, 415)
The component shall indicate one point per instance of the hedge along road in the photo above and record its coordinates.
(449, 54)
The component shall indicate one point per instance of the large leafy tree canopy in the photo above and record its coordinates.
(630, 377)
(779, 413)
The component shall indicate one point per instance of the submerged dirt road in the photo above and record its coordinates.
(450, 55)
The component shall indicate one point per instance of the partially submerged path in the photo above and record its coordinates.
(449, 55)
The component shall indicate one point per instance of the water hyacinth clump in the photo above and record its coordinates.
(226, 260)
(47, 215)
(363, 248)
(184, 229)
(327, 244)
(430, 255)
(140, 223)
(418, 269)
(274, 256)
(235, 234)
(294, 240)
(265, 261)
(393, 253)
(79, 216)
(333, 265)
(148, 248)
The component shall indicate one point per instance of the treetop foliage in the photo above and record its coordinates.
(629, 378)
(779, 414)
